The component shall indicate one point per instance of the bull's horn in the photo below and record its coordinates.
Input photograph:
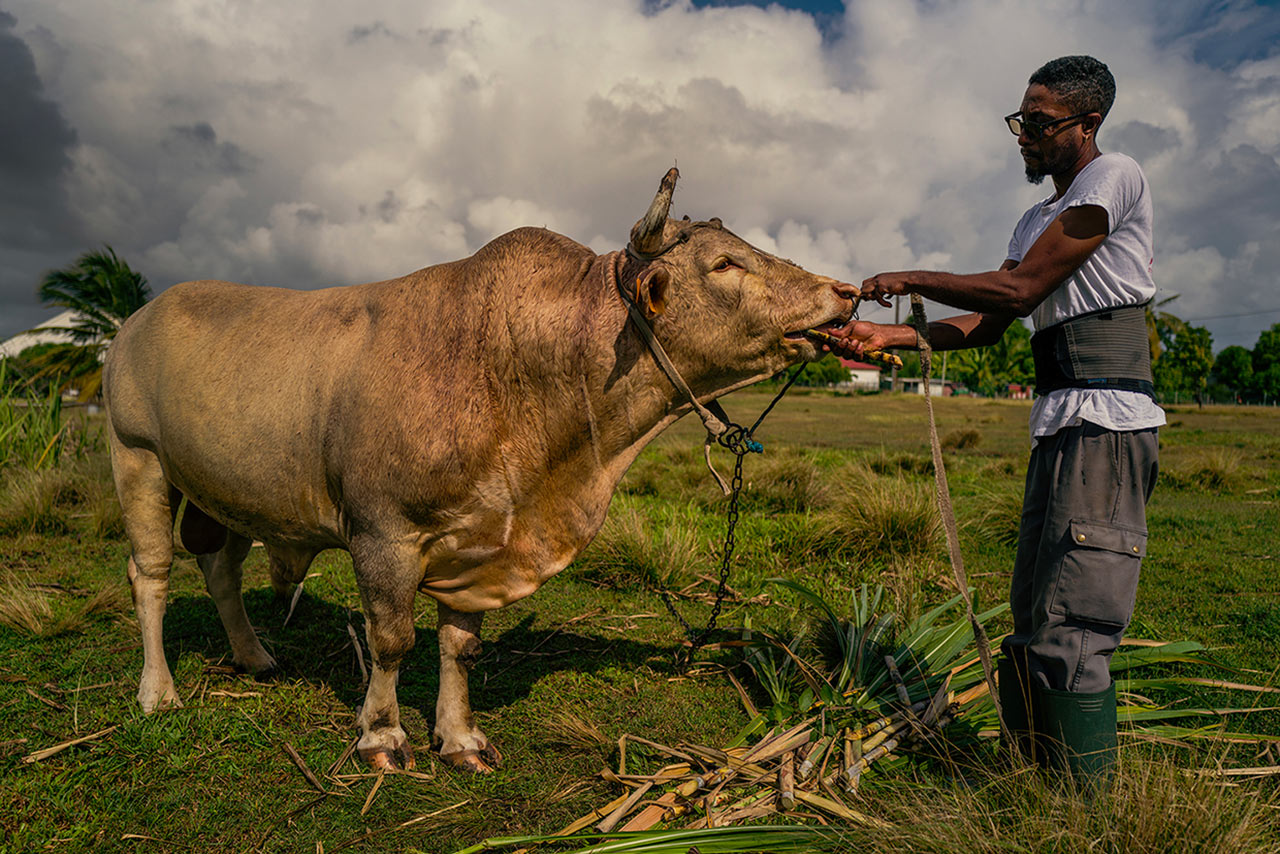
(646, 235)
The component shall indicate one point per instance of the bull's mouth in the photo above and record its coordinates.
(830, 326)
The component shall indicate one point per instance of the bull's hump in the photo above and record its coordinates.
(531, 242)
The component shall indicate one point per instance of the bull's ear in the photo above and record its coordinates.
(651, 291)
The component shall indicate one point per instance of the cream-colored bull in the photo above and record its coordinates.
(459, 430)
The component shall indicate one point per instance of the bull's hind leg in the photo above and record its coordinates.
(222, 575)
(460, 741)
(145, 500)
(388, 577)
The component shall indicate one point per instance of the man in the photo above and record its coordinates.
(1079, 264)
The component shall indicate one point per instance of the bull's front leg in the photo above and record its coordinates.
(387, 576)
(459, 740)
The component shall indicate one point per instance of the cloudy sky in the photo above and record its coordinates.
(320, 143)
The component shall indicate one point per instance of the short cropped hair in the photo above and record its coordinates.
(1084, 83)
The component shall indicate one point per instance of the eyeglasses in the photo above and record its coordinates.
(1035, 130)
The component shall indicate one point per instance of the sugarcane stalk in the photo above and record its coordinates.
(649, 816)
(877, 738)
(869, 355)
(896, 676)
(838, 809)
(776, 746)
(595, 815)
(872, 749)
(854, 772)
(734, 812)
(787, 782)
(669, 772)
(667, 807)
(783, 743)
(611, 820)
(812, 756)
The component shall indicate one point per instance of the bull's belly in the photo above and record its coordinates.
(295, 516)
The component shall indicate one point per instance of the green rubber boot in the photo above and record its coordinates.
(1079, 734)
(1017, 705)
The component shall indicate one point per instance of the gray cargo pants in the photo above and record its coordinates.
(1080, 546)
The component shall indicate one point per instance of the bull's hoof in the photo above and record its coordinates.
(155, 699)
(392, 759)
(482, 761)
(257, 662)
(269, 674)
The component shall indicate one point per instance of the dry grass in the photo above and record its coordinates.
(99, 506)
(37, 501)
(958, 440)
(998, 517)
(73, 495)
(41, 612)
(1215, 469)
(671, 472)
(890, 465)
(570, 731)
(1152, 808)
(890, 516)
(785, 482)
(634, 549)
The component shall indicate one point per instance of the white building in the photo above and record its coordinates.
(42, 334)
(862, 376)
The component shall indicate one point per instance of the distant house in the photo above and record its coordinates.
(915, 385)
(862, 376)
(42, 334)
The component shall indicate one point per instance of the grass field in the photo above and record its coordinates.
(842, 496)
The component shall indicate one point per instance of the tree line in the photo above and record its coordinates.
(1183, 363)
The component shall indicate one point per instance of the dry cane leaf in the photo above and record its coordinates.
(45, 753)
(377, 784)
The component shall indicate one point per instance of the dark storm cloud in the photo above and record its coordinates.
(199, 144)
(37, 227)
(1140, 140)
(365, 31)
(34, 141)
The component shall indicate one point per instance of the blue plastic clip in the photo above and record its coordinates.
(754, 447)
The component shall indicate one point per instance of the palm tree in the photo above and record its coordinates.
(1162, 326)
(103, 291)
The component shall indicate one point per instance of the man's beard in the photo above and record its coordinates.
(1040, 167)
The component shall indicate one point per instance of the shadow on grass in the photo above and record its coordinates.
(315, 647)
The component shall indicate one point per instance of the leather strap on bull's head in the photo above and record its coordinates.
(647, 302)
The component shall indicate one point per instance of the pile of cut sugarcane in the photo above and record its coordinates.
(796, 772)
(880, 692)
(850, 695)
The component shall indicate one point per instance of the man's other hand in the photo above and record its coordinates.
(881, 286)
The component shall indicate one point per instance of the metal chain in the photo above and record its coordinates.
(698, 638)
(738, 441)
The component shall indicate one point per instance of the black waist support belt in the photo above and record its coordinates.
(1102, 349)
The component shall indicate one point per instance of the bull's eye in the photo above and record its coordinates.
(723, 264)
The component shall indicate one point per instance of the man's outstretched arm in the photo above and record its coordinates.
(953, 333)
(1057, 253)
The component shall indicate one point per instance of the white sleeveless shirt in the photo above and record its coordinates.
(1117, 273)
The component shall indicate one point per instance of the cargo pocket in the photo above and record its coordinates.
(1097, 578)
